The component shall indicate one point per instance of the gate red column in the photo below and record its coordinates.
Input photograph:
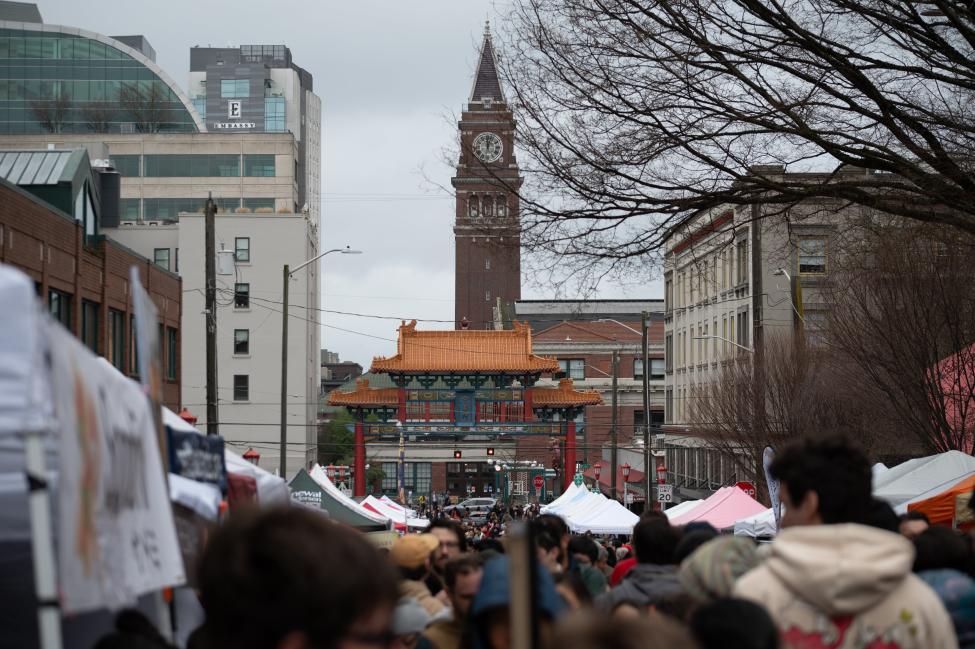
(569, 461)
(359, 483)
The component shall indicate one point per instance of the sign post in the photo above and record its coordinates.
(665, 493)
(748, 488)
(539, 482)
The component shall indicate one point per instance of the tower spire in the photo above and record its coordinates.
(487, 84)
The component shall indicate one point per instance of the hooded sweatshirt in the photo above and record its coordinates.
(645, 585)
(495, 593)
(844, 587)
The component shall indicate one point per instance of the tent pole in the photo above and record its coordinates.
(42, 545)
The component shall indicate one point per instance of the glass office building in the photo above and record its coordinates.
(65, 80)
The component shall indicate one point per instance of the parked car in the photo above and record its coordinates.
(476, 508)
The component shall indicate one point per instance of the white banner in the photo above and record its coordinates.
(773, 485)
(117, 539)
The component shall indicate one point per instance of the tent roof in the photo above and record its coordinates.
(608, 517)
(922, 478)
(940, 509)
(761, 524)
(383, 508)
(681, 508)
(337, 509)
(722, 509)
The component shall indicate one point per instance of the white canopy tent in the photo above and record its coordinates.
(319, 476)
(398, 517)
(761, 524)
(681, 508)
(567, 500)
(609, 517)
(922, 478)
(564, 497)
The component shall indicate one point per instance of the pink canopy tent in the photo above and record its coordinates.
(725, 506)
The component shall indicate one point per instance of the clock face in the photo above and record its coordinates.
(487, 147)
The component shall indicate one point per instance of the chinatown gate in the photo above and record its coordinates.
(466, 391)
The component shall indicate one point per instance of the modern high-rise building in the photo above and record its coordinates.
(259, 89)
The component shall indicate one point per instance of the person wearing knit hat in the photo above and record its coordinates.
(410, 619)
(710, 571)
(411, 553)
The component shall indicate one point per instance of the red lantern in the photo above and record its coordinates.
(597, 470)
(187, 416)
(251, 456)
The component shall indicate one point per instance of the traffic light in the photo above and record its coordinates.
(456, 455)
(490, 451)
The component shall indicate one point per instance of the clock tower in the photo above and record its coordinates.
(487, 227)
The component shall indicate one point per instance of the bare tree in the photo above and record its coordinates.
(801, 397)
(148, 108)
(636, 114)
(902, 316)
(99, 116)
(51, 113)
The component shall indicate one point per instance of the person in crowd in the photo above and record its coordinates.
(489, 616)
(409, 621)
(548, 549)
(654, 577)
(453, 543)
(624, 566)
(943, 558)
(585, 554)
(691, 541)
(602, 562)
(942, 547)
(625, 631)
(882, 516)
(413, 555)
(830, 580)
(710, 572)
(572, 590)
(462, 580)
(727, 623)
(913, 523)
(133, 630)
(557, 528)
(288, 578)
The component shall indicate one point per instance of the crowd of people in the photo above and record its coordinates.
(844, 572)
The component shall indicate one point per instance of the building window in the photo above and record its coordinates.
(242, 341)
(168, 209)
(812, 256)
(129, 209)
(215, 165)
(741, 261)
(116, 338)
(171, 372)
(259, 165)
(89, 324)
(242, 296)
(200, 104)
(235, 88)
(657, 369)
(487, 264)
(254, 204)
(668, 294)
(133, 348)
(241, 387)
(59, 304)
(573, 368)
(669, 406)
(126, 165)
(160, 257)
(638, 368)
(669, 351)
(743, 329)
(274, 115)
(242, 248)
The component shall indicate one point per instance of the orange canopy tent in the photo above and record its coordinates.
(950, 507)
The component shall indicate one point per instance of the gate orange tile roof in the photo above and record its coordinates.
(565, 395)
(363, 395)
(464, 351)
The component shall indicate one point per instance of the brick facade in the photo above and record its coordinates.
(50, 246)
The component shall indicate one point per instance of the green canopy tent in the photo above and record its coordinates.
(307, 491)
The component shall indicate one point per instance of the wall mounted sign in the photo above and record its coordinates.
(234, 109)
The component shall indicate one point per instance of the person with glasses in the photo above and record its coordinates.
(453, 543)
(462, 579)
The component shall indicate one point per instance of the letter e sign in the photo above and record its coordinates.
(233, 109)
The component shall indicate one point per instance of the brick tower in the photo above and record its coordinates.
(487, 229)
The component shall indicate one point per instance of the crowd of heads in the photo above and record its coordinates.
(844, 571)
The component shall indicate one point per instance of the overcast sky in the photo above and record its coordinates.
(390, 73)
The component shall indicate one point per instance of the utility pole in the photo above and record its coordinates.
(283, 462)
(210, 245)
(614, 432)
(644, 329)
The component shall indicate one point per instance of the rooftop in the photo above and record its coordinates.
(464, 351)
(362, 395)
(487, 85)
(41, 167)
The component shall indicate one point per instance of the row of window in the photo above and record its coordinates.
(416, 478)
(702, 343)
(487, 205)
(195, 165)
(34, 45)
(60, 307)
(242, 253)
(705, 278)
(169, 209)
(575, 368)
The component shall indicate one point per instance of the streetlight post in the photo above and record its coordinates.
(626, 477)
(287, 273)
(596, 471)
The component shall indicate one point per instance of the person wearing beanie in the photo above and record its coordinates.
(410, 619)
(711, 571)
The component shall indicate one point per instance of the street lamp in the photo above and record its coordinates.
(626, 476)
(288, 272)
(645, 342)
(780, 272)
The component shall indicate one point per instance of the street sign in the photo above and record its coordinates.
(577, 479)
(748, 488)
(629, 499)
(665, 493)
(539, 482)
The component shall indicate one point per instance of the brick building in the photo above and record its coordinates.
(84, 280)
